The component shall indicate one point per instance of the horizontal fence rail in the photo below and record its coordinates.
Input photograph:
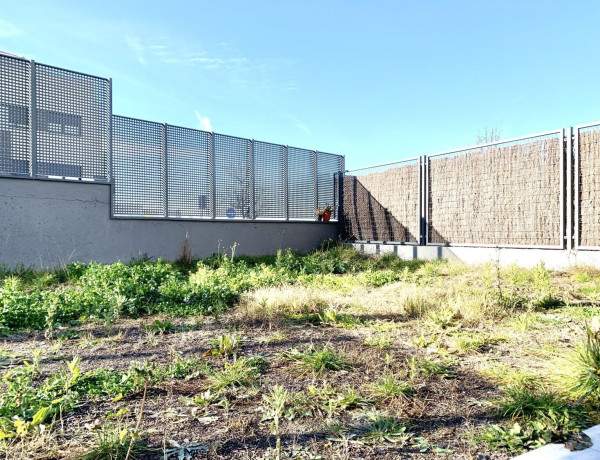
(58, 124)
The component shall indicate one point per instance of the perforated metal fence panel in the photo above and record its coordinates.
(139, 169)
(189, 171)
(301, 184)
(15, 116)
(327, 166)
(233, 196)
(269, 180)
(73, 123)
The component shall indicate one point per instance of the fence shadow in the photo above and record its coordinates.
(366, 219)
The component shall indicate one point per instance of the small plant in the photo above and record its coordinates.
(381, 341)
(160, 327)
(241, 373)
(225, 345)
(317, 361)
(428, 368)
(275, 406)
(587, 363)
(186, 258)
(389, 387)
(377, 428)
(522, 401)
(115, 442)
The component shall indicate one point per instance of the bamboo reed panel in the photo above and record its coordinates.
(589, 187)
(383, 206)
(508, 194)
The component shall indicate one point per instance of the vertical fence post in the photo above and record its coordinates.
(110, 175)
(315, 183)
(420, 214)
(165, 171)
(251, 192)
(286, 195)
(576, 196)
(340, 212)
(340, 197)
(569, 185)
(563, 237)
(426, 198)
(213, 182)
(34, 117)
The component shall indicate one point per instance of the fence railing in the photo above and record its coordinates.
(537, 191)
(165, 171)
(58, 124)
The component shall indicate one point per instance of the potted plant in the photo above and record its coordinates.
(324, 214)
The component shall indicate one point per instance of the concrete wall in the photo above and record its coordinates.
(556, 259)
(50, 223)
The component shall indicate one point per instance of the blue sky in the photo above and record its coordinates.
(374, 81)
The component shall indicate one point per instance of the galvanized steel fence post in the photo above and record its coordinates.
(251, 187)
(213, 184)
(286, 194)
(315, 183)
(34, 118)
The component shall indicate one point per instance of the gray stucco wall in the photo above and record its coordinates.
(51, 223)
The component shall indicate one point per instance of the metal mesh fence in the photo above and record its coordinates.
(57, 124)
(138, 168)
(233, 196)
(189, 171)
(73, 122)
(588, 186)
(15, 116)
(382, 204)
(503, 194)
(328, 166)
(269, 180)
(302, 183)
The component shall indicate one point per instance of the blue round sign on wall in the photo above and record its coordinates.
(230, 213)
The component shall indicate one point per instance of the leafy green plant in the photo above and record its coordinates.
(240, 373)
(389, 387)
(587, 363)
(317, 361)
(225, 345)
(381, 341)
(116, 442)
(275, 403)
(376, 427)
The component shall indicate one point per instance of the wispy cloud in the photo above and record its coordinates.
(8, 30)
(298, 123)
(203, 122)
(135, 44)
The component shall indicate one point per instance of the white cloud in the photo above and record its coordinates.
(135, 44)
(8, 30)
(203, 122)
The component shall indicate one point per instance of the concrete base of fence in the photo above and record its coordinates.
(553, 258)
(50, 223)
